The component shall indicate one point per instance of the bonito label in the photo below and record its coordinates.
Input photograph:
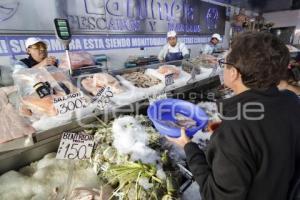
(169, 79)
(75, 146)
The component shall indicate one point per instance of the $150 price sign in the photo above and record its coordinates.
(102, 98)
(69, 103)
(75, 146)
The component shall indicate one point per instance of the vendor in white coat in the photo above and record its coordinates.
(173, 50)
(212, 46)
(38, 57)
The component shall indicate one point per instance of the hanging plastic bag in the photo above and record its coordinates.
(12, 125)
(78, 60)
(37, 87)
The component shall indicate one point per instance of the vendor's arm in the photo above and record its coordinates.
(184, 50)
(162, 53)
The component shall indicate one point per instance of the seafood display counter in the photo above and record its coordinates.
(48, 140)
(146, 158)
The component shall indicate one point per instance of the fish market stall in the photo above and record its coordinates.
(99, 84)
(52, 103)
(152, 176)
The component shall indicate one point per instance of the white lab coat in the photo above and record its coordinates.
(209, 48)
(179, 47)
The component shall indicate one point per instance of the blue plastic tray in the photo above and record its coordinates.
(165, 110)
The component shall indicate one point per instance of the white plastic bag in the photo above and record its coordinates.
(37, 87)
(12, 125)
(78, 60)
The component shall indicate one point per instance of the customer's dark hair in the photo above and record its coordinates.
(261, 58)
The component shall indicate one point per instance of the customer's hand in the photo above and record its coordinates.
(182, 140)
(212, 126)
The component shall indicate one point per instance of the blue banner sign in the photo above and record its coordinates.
(15, 45)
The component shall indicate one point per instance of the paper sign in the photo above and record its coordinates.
(75, 146)
(102, 98)
(169, 79)
(69, 103)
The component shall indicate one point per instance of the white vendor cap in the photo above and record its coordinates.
(171, 34)
(217, 36)
(32, 40)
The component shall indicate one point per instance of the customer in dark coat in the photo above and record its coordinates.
(255, 151)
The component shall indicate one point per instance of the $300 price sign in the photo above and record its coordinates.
(69, 103)
(75, 146)
(102, 98)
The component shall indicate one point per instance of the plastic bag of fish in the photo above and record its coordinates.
(12, 125)
(169, 69)
(78, 60)
(37, 87)
(96, 82)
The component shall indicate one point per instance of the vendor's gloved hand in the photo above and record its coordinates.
(182, 140)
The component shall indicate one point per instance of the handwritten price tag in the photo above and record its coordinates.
(69, 103)
(75, 146)
(103, 98)
(169, 79)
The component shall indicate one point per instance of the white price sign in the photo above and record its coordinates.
(169, 79)
(75, 146)
(102, 98)
(69, 103)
